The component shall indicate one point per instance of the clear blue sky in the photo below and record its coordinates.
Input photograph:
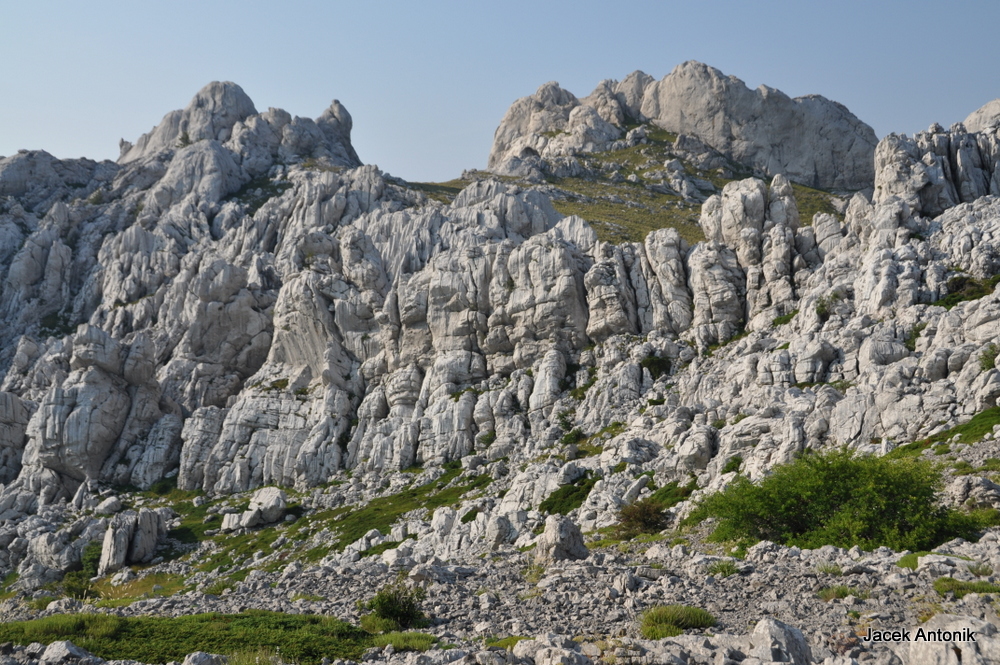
(428, 82)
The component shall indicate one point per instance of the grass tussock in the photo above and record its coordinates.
(671, 620)
(946, 585)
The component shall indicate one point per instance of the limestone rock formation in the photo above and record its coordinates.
(561, 540)
(985, 118)
(240, 309)
(810, 140)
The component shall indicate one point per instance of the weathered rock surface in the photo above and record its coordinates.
(240, 307)
(810, 139)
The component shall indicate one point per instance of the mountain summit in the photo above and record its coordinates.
(811, 140)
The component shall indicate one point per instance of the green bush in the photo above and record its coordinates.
(399, 604)
(837, 498)
(733, 464)
(91, 558)
(988, 360)
(672, 493)
(963, 288)
(911, 338)
(573, 436)
(77, 585)
(644, 516)
(657, 366)
(671, 620)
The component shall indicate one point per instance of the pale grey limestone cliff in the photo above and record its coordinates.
(328, 319)
(809, 139)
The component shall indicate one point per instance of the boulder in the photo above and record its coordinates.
(561, 540)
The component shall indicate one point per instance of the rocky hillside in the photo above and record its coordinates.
(242, 370)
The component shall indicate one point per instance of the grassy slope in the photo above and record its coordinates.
(628, 211)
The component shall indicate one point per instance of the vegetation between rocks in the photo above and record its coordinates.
(671, 620)
(839, 498)
(305, 639)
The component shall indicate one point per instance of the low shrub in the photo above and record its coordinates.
(672, 620)
(397, 605)
(980, 569)
(979, 426)
(837, 498)
(644, 516)
(656, 366)
(988, 360)
(963, 288)
(723, 569)
(733, 464)
(829, 569)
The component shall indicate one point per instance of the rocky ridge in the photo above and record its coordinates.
(808, 139)
(239, 303)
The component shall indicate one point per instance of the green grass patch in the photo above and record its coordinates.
(945, 585)
(963, 288)
(784, 318)
(569, 497)
(723, 569)
(405, 641)
(381, 513)
(128, 593)
(259, 191)
(671, 620)
(981, 424)
(980, 569)
(305, 639)
(837, 498)
(840, 591)
(506, 643)
(445, 192)
(810, 201)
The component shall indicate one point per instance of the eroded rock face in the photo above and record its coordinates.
(256, 309)
(560, 541)
(810, 139)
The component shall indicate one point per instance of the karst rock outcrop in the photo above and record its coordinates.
(241, 313)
